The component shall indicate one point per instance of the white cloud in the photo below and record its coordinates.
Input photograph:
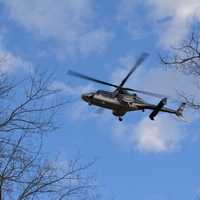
(71, 23)
(180, 8)
(162, 135)
(182, 14)
(10, 62)
(171, 20)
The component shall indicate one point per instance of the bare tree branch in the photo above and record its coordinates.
(186, 59)
(27, 107)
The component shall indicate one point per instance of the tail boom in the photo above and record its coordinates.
(160, 108)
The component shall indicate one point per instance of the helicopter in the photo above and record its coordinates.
(124, 99)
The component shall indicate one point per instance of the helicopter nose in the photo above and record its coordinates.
(84, 97)
(87, 97)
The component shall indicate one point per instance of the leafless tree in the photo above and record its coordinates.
(27, 110)
(25, 175)
(186, 59)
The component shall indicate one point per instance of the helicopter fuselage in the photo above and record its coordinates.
(119, 104)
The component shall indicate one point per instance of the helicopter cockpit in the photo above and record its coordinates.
(88, 96)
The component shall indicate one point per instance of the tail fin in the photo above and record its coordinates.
(180, 110)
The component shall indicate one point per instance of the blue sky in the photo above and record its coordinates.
(138, 158)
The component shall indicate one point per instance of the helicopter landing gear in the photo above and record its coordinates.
(120, 119)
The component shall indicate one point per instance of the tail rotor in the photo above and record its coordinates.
(180, 110)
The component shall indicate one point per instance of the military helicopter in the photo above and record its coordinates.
(124, 99)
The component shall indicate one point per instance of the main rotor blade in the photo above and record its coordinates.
(140, 60)
(79, 75)
(146, 93)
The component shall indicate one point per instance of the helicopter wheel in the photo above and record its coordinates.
(120, 119)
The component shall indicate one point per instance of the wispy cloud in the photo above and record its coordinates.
(9, 62)
(170, 20)
(182, 15)
(72, 23)
(162, 135)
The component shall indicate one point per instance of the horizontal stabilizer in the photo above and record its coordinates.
(158, 108)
